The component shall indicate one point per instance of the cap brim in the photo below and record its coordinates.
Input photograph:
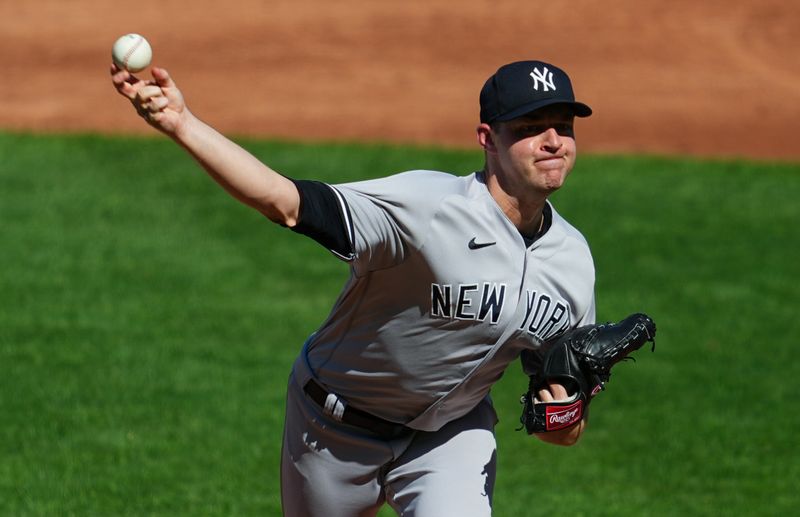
(580, 109)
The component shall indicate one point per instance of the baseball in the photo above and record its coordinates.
(132, 52)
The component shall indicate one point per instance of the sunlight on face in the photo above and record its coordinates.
(536, 152)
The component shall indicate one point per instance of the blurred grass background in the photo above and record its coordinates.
(148, 323)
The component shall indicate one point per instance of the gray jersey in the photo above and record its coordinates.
(443, 294)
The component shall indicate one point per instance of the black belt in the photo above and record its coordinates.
(353, 416)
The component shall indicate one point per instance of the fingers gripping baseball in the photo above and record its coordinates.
(158, 101)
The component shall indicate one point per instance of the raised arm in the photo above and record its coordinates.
(160, 103)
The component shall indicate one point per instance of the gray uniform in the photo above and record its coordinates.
(443, 294)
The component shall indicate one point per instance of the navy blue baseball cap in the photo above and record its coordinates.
(524, 86)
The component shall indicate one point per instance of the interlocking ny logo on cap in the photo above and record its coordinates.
(545, 77)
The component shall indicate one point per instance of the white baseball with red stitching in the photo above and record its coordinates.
(132, 52)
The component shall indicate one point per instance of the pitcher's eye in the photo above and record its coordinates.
(531, 129)
(564, 129)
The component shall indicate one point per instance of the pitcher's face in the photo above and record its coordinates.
(536, 150)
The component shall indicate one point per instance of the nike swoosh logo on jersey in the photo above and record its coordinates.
(478, 245)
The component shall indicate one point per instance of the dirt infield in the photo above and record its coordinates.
(712, 78)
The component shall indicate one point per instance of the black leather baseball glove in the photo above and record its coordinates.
(581, 360)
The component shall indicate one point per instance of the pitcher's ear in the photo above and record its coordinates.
(486, 137)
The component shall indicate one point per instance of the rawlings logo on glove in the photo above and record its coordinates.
(558, 417)
(581, 360)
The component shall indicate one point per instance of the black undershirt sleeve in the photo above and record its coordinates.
(322, 217)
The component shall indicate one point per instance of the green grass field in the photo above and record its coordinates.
(148, 323)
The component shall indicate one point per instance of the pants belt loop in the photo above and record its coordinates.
(334, 406)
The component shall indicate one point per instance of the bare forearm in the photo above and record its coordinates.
(161, 104)
(239, 172)
(565, 437)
